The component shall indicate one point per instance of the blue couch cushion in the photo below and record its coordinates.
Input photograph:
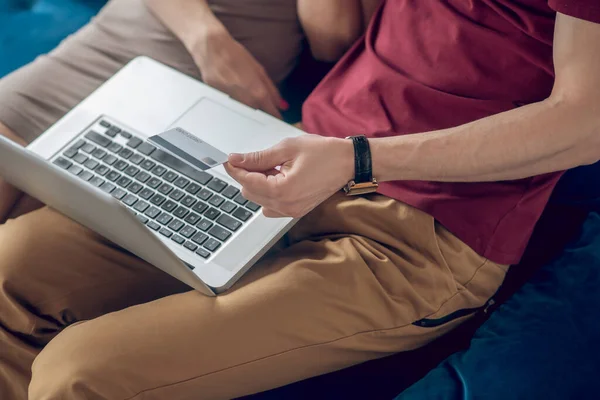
(32, 27)
(541, 344)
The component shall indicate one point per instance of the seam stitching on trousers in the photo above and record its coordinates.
(309, 345)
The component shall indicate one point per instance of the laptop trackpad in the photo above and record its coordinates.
(225, 128)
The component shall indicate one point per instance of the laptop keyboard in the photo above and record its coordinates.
(192, 208)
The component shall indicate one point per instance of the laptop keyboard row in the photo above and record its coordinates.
(192, 208)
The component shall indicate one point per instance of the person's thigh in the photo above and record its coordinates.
(356, 278)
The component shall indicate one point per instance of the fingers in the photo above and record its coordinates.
(274, 92)
(261, 161)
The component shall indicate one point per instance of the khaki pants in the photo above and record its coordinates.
(80, 318)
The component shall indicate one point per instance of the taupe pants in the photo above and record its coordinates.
(80, 318)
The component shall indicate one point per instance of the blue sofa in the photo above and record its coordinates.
(540, 343)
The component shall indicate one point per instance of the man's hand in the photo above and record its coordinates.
(227, 66)
(295, 176)
(223, 62)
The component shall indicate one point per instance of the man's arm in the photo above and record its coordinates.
(556, 134)
(331, 26)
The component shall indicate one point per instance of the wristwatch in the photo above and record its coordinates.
(363, 181)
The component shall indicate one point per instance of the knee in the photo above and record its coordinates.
(71, 367)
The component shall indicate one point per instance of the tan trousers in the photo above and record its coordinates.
(355, 280)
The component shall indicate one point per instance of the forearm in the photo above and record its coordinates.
(189, 20)
(552, 135)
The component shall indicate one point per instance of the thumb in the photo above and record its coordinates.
(260, 161)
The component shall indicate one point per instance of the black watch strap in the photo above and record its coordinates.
(363, 169)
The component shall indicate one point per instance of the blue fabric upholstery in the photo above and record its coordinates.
(32, 27)
(541, 344)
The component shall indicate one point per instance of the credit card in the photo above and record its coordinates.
(189, 148)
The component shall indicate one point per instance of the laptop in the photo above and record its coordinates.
(97, 167)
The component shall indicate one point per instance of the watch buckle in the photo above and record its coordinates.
(356, 189)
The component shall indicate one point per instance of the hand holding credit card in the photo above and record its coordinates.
(190, 149)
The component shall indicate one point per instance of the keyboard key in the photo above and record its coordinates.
(217, 185)
(181, 212)
(159, 170)
(136, 159)
(124, 181)
(79, 144)
(134, 142)
(70, 152)
(203, 253)
(164, 218)
(112, 131)
(80, 158)
(142, 219)
(146, 194)
(181, 182)
(143, 176)
(189, 201)
(253, 206)
(193, 188)
(91, 164)
(228, 207)
(176, 225)
(86, 175)
(98, 138)
(110, 159)
(99, 154)
(118, 194)
(200, 207)
(115, 147)
(131, 171)
(135, 187)
(120, 165)
(204, 225)
(190, 246)
(130, 200)
(141, 206)
(153, 212)
(153, 225)
(169, 206)
(230, 223)
(104, 124)
(108, 187)
(242, 214)
(230, 192)
(192, 218)
(96, 181)
(147, 165)
(88, 148)
(125, 153)
(62, 162)
(166, 232)
(219, 233)
(178, 239)
(188, 231)
(181, 167)
(75, 170)
(205, 194)
(200, 238)
(146, 149)
(170, 176)
(211, 244)
(113, 176)
(101, 170)
(216, 201)
(165, 188)
(126, 135)
(154, 183)
(157, 199)
(212, 214)
(176, 194)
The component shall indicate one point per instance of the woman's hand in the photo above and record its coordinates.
(295, 176)
(227, 66)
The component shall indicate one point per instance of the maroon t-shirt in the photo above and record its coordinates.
(427, 65)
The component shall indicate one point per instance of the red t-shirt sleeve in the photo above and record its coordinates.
(588, 10)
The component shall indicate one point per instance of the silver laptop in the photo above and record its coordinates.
(96, 166)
